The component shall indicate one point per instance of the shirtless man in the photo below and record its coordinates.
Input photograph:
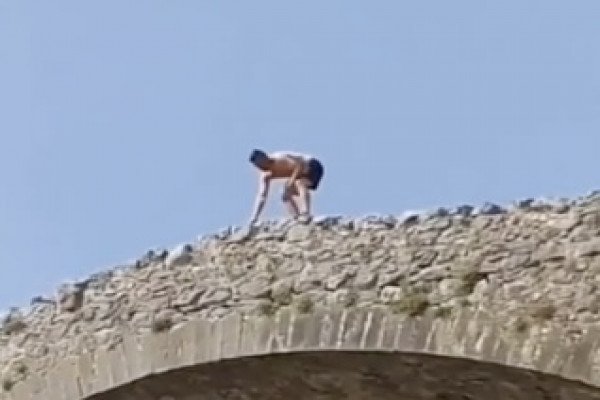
(302, 172)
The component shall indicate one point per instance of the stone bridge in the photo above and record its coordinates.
(456, 304)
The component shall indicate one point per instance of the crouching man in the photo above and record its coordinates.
(302, 174)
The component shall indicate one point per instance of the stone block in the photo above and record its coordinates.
(170, 346)
(299, 232)
(116, 365)
(54, 389)
(282, 333)
(247, 338)
(328, 324)
(181, 255)
(86, 374)
(201, 333)
(478, 334)
(230, 329)
(182, 343)
(373, 330)
(548, 357)
(413, 334)
(264, 335)
(583, 353)
(70, 381)
(500, 351)
(104, 375)
(459, 325)
(305, 331)
(351, 329)
(138, 364)
(389, 332)
(440, 339)
(155, 349)
(517, 350)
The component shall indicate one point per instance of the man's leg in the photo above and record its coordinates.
(310, 183)
(303, 195)
(290, 201)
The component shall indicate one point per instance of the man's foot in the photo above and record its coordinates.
(303, 218)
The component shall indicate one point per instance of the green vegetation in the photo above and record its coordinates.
(413, 304)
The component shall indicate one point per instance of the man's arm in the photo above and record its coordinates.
(261, 197)
(299, 167)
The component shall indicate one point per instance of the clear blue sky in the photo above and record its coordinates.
(127, 125)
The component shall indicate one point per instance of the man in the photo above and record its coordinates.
(302, 172)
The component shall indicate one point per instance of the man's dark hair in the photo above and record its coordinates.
(257, 156)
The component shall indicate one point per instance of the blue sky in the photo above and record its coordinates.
(126, 125)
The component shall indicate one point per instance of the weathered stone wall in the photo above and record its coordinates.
(534, 268)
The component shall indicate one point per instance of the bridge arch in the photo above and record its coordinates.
(345, 353)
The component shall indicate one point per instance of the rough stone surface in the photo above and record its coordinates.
(517, 288)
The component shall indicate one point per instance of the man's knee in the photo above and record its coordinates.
(290, 192)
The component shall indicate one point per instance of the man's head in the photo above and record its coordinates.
(260, 159)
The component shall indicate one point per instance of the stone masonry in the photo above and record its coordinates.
(514, 292)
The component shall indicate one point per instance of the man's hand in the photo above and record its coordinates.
(288, 191)
(252, 222)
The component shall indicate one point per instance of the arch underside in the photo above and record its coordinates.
(336, 375)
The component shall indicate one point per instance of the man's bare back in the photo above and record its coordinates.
(302, 171)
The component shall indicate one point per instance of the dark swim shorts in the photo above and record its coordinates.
(315, 173)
